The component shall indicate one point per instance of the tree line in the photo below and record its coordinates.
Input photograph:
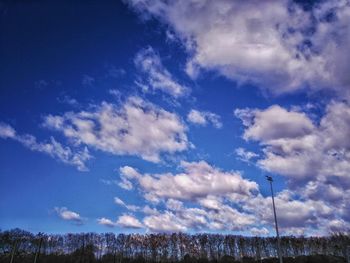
(21, 246)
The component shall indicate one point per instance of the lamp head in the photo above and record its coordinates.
(269, 178)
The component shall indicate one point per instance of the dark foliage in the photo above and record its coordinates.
(23, 247)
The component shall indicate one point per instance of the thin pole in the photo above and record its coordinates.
(269, 178)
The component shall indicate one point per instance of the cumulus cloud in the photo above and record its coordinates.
(68, 215)
(156, 75)
(179, 218)
(291, 209)
(199, 183)
(314, 157)
(166, 222)
(135, 128)
(52, 148)
(203, 118)
(274, 123)
(275, 44)
(203, 197)
(298, 148)
(129, 221)
(198, 180)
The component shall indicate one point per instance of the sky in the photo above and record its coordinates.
(143, 116)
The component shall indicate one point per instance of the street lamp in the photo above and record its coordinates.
(269, 178)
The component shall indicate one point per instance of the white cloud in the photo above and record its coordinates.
(314, 157)
(6, 131)
(299, 149)
(274, 123)
(66, 99)
(291, 211)
(203, 118)
(174, 205)
(245, 155)
(125, 184)
(52, 148)
(135, 128)
(157, 76)
(211, 202)
(201, 184)
(259, 231)
(118, 201)
(198, 180)
(178, 217)
(338, 225)
(128, 173)
(166, 222)
(68, 215)
(106, 222)
(275, 44)
(225, 201)
(129, 221)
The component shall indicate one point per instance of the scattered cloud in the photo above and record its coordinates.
(68, 215)
(129, 221)
(203, 118)
(177, 217)
(65, 154)
(114, 72)
(135, 128)
(166, 222)
(203, 197)
(68, 100)
(244, 155)
(116, 93)
(156, 75)
(106, 222)
(125, 221)
(109, 182)
(118, 201)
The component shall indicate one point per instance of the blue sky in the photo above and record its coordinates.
(148, 116)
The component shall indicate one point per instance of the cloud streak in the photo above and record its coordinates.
(52, 148)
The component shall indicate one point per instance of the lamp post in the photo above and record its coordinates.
(269, 178)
